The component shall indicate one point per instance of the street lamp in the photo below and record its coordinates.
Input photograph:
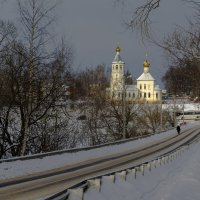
(161, 116)
(124, 119)
(124, 108)
(183, 111)
(174, 111)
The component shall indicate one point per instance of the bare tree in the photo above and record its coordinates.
(35, 18)
(46, 90)
(89, 81)
(182, 48)
(31, 78)
(140, 19)
(141, 15)
(149, 118)
(7, 33)
(113, 119)
(7, 36)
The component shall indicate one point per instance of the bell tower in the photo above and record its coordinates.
(117, 74)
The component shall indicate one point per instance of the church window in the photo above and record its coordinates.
(149, 95)
(156, 95)
(145, 86)
(145, 95)
(140, 86)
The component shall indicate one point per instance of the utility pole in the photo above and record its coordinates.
(174, 111)
(161, 117)
(124, 108)
(183, 111)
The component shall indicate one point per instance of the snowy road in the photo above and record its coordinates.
(177, 180)
(62, 180)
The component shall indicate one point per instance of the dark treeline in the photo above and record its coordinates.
(31, 77)
(183, 80)
(37, 114)
(182, 46)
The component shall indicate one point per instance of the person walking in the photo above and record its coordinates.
(178, 129)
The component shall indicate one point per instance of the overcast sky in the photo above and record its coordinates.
(95, 27)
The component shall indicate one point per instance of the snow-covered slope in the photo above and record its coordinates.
(177, 180)
(25, 167)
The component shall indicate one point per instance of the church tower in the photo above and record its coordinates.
(146, 85)
(144, 91)
(117, 75)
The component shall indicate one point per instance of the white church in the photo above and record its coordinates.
(144, 91)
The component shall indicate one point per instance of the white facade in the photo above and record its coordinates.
(117, 75)
(145, 90)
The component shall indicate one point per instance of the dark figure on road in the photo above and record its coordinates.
(178, 129)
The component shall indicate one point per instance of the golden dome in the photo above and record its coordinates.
(146, 63)
(118, 49)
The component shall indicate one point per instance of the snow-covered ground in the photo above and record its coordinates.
(20, 168)
(176, 180)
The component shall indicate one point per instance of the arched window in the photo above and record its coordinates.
(145, 95)
(149, 95)
(116, 67)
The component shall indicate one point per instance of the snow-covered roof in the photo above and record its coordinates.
(157, 87)
(131, 87)
(146, 77)
(117, 58)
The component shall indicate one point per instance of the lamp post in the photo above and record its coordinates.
(183, 111)
(124, 108)
(161, 116)
(174, 111)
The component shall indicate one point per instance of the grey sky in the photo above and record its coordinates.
(94, 27)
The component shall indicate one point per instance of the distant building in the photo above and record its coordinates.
(144, 91)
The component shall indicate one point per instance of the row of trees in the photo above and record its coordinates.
(105, 120)
(183, 50)
(182, 47)
(31, 77)
(32, 74)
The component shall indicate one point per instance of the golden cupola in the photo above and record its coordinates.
(118, 49)
(117, 56)
(146, 66)
(146, 63)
